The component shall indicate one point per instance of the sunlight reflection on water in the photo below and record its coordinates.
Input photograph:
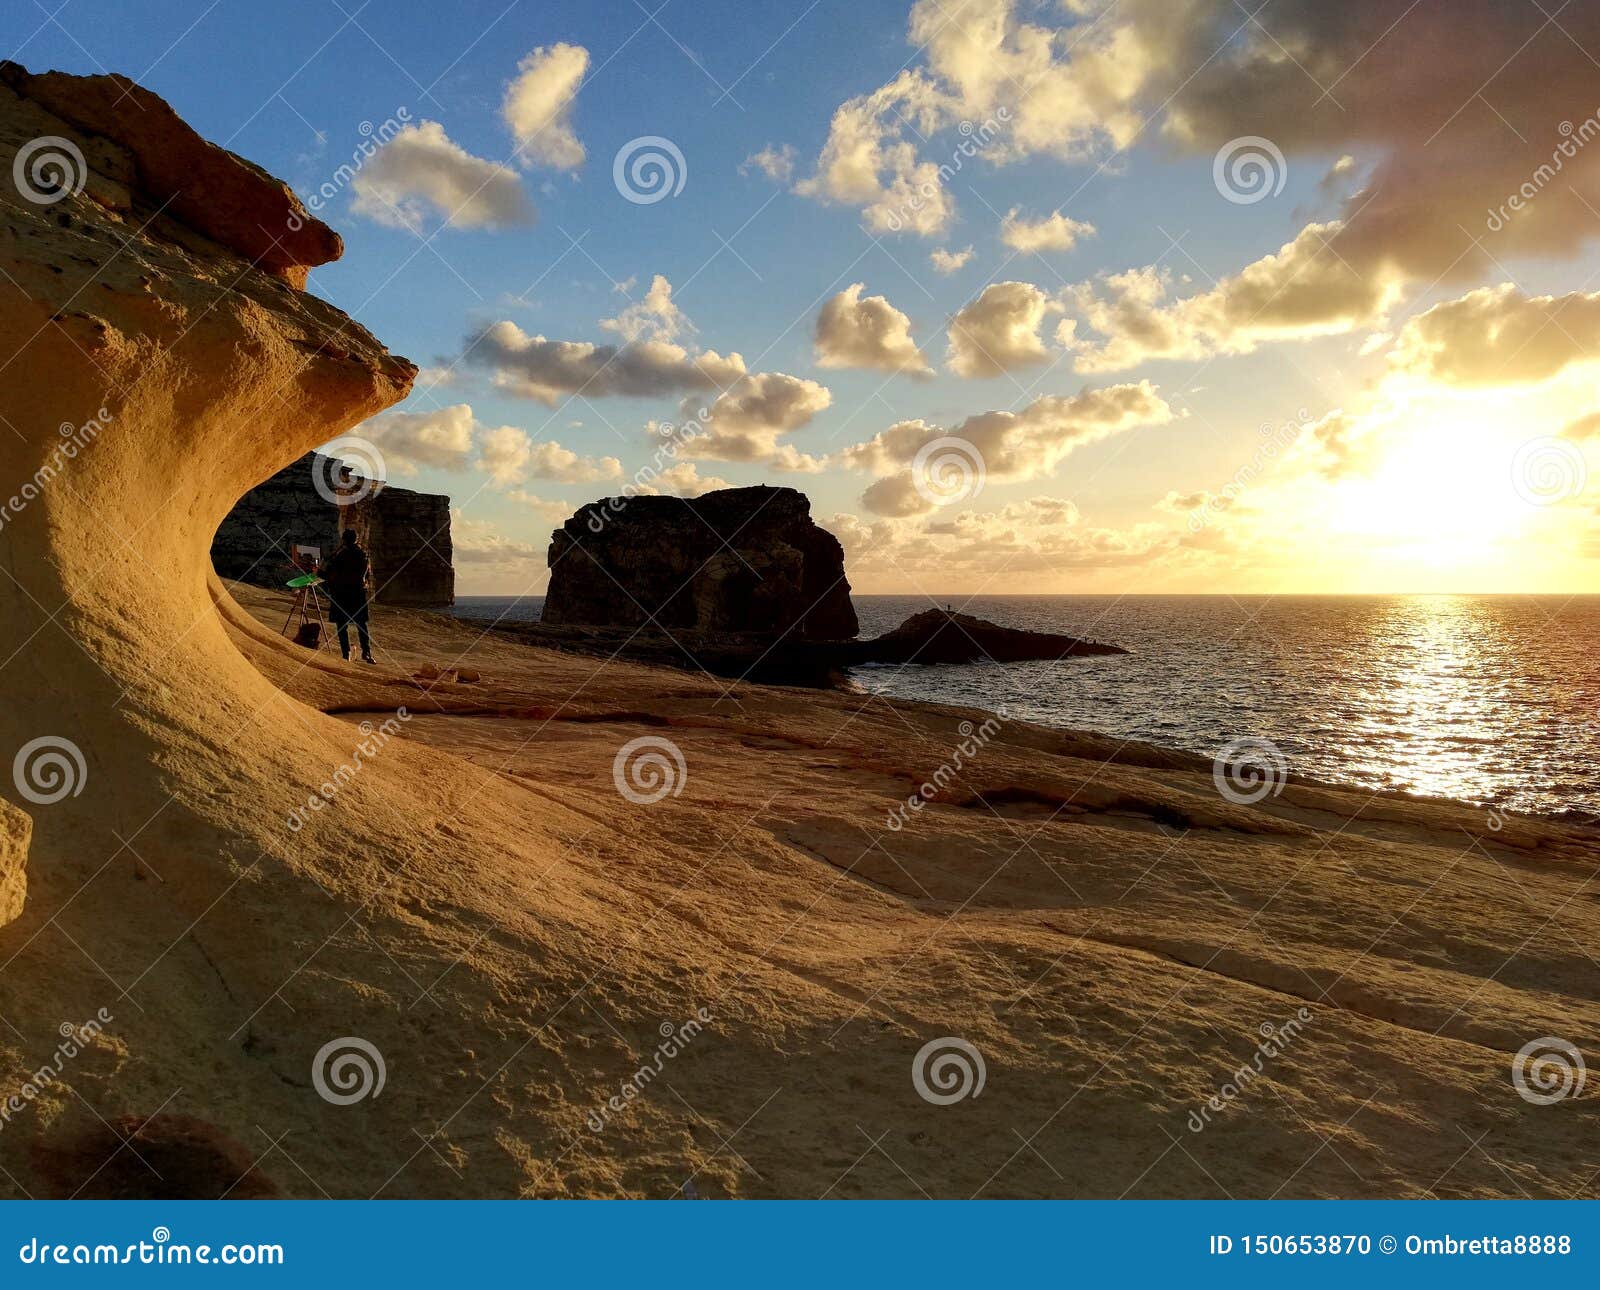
(1493, 699)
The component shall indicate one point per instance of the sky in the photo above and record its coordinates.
(1124, 296)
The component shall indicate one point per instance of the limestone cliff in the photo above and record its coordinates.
(406, 533)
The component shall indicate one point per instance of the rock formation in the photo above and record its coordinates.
(943, 636)
(406, 533)
(731, 562)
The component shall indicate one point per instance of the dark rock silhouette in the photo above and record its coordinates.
(160, 1157)
(406, 533)
(943, 636)
(734, 562)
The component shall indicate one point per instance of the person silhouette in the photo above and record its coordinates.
(344, 576)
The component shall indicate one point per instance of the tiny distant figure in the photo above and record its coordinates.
(344, 576)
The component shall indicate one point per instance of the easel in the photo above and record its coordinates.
(305, 610)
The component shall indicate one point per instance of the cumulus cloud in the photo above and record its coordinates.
(866, 162)
(478, 542)
(421, 170)
(1500, 336)
(1011, 445)
(683, 480)
(509, 456)
(944, 261)
(538, 105)
(981, 546)
(1307, 288)
(656, 317)
(441, 439)
(549, 370)
(777, 164)
(745, 422)
(869, 333)
(452, 439)
(999, 331)
(1053, 233)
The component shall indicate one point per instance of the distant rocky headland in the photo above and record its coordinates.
(740, 582)
(406, 533)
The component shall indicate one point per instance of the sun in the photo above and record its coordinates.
(1441, 496)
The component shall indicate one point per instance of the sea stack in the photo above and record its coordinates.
(736, 561)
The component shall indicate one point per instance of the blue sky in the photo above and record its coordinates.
(752, 259)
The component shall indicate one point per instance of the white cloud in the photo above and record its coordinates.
(944, 261)
(538, 105)
(420, 170)
(683, 480)
(1500, 336)
(745, 422)
(866, 333)
(999, 331)
(777, 164)
(509, 456)
(1011, 445)
(441, 439)
(1053, 233)
(549, 370)
(656, 317)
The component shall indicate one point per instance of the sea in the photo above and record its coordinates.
(1489, 699)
